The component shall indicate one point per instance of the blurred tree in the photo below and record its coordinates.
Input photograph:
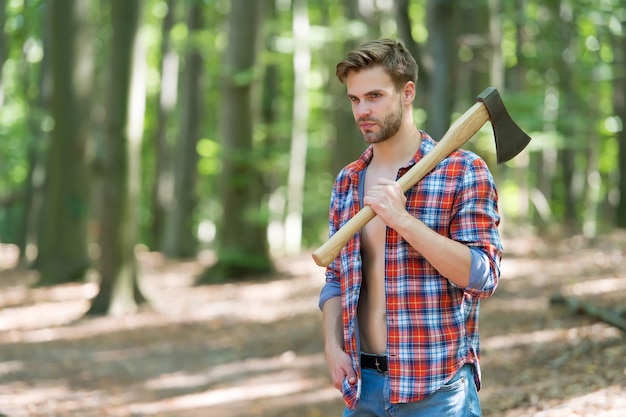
(564, 16)
(515, 84)
(560, 65)
(497, 68)
(119, 290)
(62, 244)
(442, 33)
(348, 143)
(36, 85)
(162, 185)
(619, 103)
(242, 243)
(179, 238)
(299, 132)
(3, 44)
(405, 33)
(273, 144)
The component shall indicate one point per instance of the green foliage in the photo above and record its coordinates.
(209, 162)
(561, 69)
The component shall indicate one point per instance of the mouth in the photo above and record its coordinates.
(368, 125)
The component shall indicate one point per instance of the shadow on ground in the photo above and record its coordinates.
(255, 349)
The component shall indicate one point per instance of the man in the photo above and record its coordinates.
(400, 303)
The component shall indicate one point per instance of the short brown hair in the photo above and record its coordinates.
(391, 55)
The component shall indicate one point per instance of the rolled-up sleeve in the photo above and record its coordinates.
(330, 290)
(480, 271)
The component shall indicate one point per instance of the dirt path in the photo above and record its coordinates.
(255, 349)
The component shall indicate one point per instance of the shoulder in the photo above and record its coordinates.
(465, 169)
(466, 160)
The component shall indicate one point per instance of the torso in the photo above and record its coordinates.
(372, 311)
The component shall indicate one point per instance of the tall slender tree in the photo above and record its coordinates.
(441, 47)
(299, 132)
(3, 44)
(37, 92)
(62, 254)
(565, 13)
(348, 143)
(270, 116)
(162, 186)
(405, 33)
(119, 291)
(619, 103)
(242, 234)
(179, 237)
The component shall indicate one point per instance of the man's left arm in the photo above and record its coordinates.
(475, 224)
(471, 256)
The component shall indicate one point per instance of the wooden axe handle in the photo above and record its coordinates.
(461, 131)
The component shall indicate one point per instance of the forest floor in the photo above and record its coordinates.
(254, 349)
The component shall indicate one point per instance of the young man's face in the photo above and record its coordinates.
(376, 105)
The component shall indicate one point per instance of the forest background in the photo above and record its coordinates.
(166, 168)
(182, 126)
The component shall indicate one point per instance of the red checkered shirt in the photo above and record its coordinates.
(432, 324)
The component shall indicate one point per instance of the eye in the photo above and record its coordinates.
(354, 99)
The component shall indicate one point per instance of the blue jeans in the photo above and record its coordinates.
(457, 398)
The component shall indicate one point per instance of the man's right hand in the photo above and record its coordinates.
(338, 361)
(340, 367)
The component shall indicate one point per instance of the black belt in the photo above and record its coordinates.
(378, 362)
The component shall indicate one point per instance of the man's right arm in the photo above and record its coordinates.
(338, 361)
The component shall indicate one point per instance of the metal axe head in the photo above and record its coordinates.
(510, 138)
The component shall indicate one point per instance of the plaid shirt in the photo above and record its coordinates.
(432, 324)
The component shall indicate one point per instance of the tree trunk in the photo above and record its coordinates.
(406, 35)
(162, 187)
(349, 143)
(495, 40)
(180, 241)
(566, 156)
(515, 83)
(297, 163)
(62, 244)
(119, 290)
(243, 248)
(619, 102)
(442, 47)
(3, 45)
(273, 141)
(38, 100)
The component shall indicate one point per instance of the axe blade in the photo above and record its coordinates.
(509, 137)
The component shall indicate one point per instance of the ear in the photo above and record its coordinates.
(408, 92)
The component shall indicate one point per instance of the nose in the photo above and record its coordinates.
(361, 110)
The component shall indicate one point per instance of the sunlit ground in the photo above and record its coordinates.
(255, 349)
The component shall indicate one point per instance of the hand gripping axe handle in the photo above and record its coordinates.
(510, 140)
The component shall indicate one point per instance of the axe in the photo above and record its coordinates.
(509, 137)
